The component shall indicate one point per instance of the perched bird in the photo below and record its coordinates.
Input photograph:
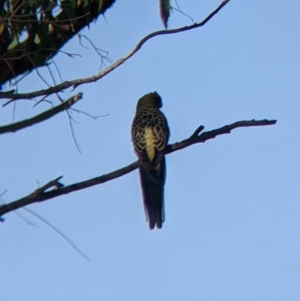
(150, 134)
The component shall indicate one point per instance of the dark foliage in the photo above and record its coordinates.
(33, 31)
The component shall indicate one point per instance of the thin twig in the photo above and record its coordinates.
(41, 100)
(87, 114)
(59, 233)
(180, 11)
(51, 74)
(100, 52)
(20, 216)
(57, 70)
(37, 71)
(14, 112)
(72, 131)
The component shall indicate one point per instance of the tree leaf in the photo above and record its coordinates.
(164, 7)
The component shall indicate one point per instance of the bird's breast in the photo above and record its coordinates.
(150, 143)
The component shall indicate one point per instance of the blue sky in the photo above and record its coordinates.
(232, 229)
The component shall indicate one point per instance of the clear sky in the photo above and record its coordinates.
(232, 229)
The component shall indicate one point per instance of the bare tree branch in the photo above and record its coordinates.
(75, 83)
(55, 188)
(41, 117)
(196, 138)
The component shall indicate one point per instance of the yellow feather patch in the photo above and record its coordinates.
(149, 139)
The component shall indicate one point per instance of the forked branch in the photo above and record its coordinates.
(41, 117)
(55, 188)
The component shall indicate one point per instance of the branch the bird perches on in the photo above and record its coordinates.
(55, 188)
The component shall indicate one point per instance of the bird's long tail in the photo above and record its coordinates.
(152, 183)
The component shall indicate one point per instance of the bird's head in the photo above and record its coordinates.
(151, 100)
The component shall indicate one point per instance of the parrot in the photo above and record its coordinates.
(150, 135)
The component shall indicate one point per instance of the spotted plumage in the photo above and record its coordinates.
(150, 135)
